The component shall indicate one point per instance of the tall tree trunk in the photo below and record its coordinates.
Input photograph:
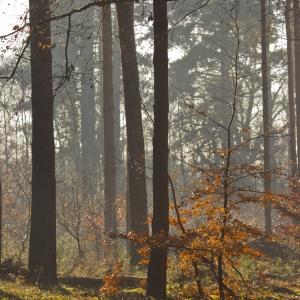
(118, 93)
(60, 156)
(266, 117)
(288, 23)
(42, 246)
(157, 268)
(108, 115)
(180, 130)
(88, 141)
(88, 121)
(100, 125)
(137, 194)
(1, 206)
(296, 10)
(117, 103)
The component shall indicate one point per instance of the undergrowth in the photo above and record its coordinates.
(179, 286)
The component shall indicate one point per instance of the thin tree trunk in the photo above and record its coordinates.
(180, 129)
(248, 114)
(137, 193)
(157, 268)
(1, 206)
(42, 246)
(108, 115)
(6, 136)
(296, 10)
(100, 129)
(290, 63)
(88, 129)
(128, 217)
(117, 104)
(266, 118)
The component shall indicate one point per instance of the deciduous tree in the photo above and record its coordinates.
(135, 139)
(42, 247)
(157, 267)
(108, 122)
(266, 112)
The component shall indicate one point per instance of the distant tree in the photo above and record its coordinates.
(1, 220)
(108, 117)
(42, 247)
(135, 139)
(118, 97)
(296, 10)
(291, 100)
(88, 120)
(266, 118)
(157, 267)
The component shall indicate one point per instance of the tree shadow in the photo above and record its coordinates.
(61, 290)
(58, 289)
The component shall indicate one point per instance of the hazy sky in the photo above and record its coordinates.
(11, 11)
(10, 14)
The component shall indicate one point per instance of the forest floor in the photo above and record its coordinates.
(280, 278)
(18, 289)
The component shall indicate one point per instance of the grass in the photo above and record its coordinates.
(17, 288)
(20, 290)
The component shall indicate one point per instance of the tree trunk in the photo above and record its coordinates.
(266, 118)
(108, 115)
(157, 268)
(137, 194)
(42, 246)
(226, 86)
(1, 206)
(88, 121)
(293, 154)
(100, 127)
(128, 217)
(180, 130)
(117, 103)
(296, 10)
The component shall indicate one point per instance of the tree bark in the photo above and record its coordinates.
(42, 246)
(290, 63)
(135, 139)
(157, 267)
(266, 118)
(110, 222)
